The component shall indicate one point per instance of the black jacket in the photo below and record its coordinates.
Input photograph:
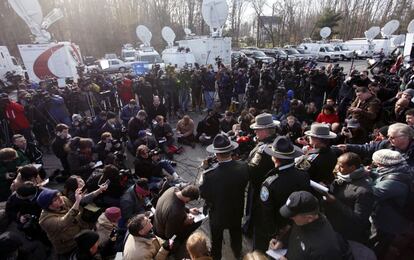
(322, 162)
(130, 204)
(349, 213)
(317, 240)
(58, 147)
(223, 188)
(274, 192)
(153, 111)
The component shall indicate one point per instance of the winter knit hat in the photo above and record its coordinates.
(387, 157)
(113, 214)
(46, 197)
(86, 239)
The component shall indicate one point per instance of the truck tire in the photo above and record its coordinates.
(326, 59)
(343, 57)
(122, 69)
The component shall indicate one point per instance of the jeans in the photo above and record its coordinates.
(209, 99)
(183, 98)
(166, 165)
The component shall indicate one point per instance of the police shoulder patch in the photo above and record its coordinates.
(264, 194)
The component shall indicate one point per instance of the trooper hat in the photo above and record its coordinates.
(283, 148)
(320, 131)
(299, 202)
(264, 121)
(352, 123)
(221, 144)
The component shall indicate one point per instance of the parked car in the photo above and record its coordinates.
(306, 54)
(292, 52)
(344, 52)
(237, 55)
(110, 66)
(258, 56)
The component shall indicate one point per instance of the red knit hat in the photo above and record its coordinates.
(113, 214)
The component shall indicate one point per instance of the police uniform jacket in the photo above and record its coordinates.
(260, 164)
(223, 188)
(316, 240)
(322, 163)
(274, 192)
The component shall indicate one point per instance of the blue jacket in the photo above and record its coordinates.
(127, 113)
(366, 150)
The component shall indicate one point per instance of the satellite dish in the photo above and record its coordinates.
(215, 13)
(31, 12)
(187, 31)
(144, 34)
(389, 28)
(168, 35)
(28, 10)
(398, 40)
(325, 32)
(372, 33)
(410, 27)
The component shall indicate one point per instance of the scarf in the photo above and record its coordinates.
(343, 178)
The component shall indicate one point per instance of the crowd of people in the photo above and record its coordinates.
(303, 158)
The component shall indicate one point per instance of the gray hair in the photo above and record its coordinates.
(401, 129)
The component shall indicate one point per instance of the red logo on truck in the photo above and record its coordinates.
(40, 66)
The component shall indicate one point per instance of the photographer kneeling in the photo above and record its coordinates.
(150, 166)
(116, 186)
(107, 145)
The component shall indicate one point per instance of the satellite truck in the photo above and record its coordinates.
(43, 58)
(146, 53)
(8, 64)
(176, 56)
(128, 52)
(409, 43)
(213, 48)
(368, 46)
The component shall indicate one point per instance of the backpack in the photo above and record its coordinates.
(408, 210)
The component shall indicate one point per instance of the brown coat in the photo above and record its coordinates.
(62, 226)
(370, 111)
(141, 248)
(185, 130)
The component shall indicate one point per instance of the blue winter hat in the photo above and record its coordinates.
(46, 197)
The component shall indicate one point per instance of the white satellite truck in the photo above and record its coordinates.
(176, 56)
(128, 52)
(8, 63)
(213, 48)
(46, 59)
(146, 53)
(409, 43)
(322, 50)
(368, 46)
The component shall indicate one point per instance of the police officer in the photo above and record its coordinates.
(321, 158)
(223, 189)
(259, 162)
(311, 236)
(281, 181)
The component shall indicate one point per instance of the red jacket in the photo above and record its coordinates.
(328, 119)
(14, 112)
(125, 91)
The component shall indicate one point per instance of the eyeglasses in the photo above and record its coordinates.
(395, 137)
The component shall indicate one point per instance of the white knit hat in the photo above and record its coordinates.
(387, 157)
